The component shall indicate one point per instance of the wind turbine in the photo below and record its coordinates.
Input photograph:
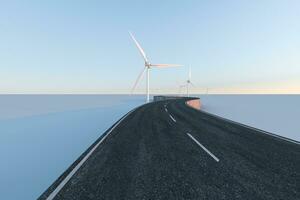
(189, 82)
(147, 68)
(180, 89)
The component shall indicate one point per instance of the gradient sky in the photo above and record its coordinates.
(84, 47)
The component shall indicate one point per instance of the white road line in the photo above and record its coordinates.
(203, 147)
(249, 127)
(172, 118)
(75, 169)
(170, 115)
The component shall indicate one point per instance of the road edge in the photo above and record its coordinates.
(45, 195)
(243, 125)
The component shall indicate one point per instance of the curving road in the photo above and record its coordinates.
(167, 150)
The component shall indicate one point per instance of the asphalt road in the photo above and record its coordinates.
(167, 150)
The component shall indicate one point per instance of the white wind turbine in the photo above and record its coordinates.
(147, 68)
(189, 82)
(180, 89)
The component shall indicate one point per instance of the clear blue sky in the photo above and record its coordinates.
(84, 47)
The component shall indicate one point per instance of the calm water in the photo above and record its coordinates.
(277, 114)
(41, 135)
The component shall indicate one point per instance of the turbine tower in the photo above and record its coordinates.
(147, 68)
(189, 82)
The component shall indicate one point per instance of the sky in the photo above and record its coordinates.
(83, 47)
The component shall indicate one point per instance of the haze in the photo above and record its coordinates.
(79, 47)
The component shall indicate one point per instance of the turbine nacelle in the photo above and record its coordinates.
(147, 64)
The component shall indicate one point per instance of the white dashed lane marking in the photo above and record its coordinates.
(203, 147)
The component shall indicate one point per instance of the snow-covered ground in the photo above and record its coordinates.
(40, 136)
(277, 114)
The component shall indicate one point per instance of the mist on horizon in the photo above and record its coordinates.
(233, 47)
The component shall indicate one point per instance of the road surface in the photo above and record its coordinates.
(167, 150)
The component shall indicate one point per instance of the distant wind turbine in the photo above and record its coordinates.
(188, 82)
(180, 89)
(147, 67)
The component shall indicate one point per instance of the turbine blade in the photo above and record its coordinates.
(139, 47)
(192, 84)
(180, 88)
(138, 79)
(190, 73)
(165, 65)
